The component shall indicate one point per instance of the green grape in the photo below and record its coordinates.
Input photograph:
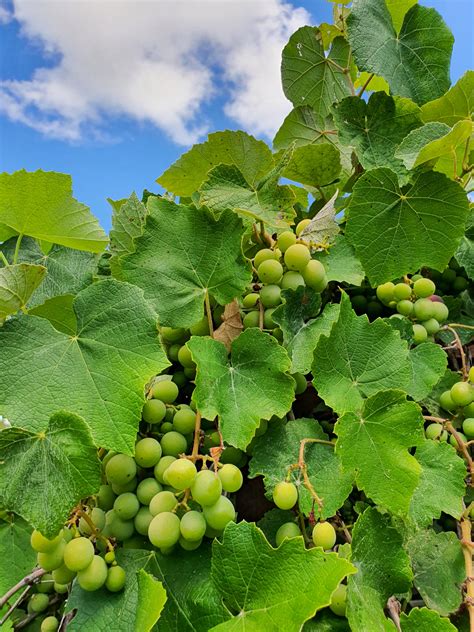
(405, 308)
(359, 303)
(402, 292)
(262, 428)
(314, 275)
(40, 544)
(220, 513)
(201, 328)
(471, 375)
(435, 431)
(126, 506)
(193, 526)
(230, 477)
(97, 516)
(153, 411)
(165, 427)
(147, 452)
(45, 584)
(285, 495)
(270, 295)
(109, 557)
(468, 427)
(68, 534)
(185, 358)
(468, 411)
(423, 309)
(268, 321)
(147, 488)
(78, 554)
(105, 497)
(172, 335)
(297, 257)
(462, 393)
(190, 373)
(61, 589)
(291, 280)
(385, 292)
(173, 352)
(264, 255)
(285, 240)
(123, 489)
(121, 469)
(63, 575)
(116, 577)
(173, 443)
(52, 560)
(179, 379)
(165, 390)
(93, 576)
(119, 529)
(419, 334)
(324, 535)
(162, 502)
(232, 455)
(432, 326)
(189, 545)
(453, 441)
(250, 300)
(278, 334)
(251, 319)
(374, 309)
(161, 467)
(446, 401)
(270, 271)
(184, 420)
(142, 520)
(459, 284)
(424, 288)
(38, 603)
(49, 624)
(301, 383)
(181, 474)
(287, 530)
(207, 488)
(302, 225)
(164, 529)
(212, 533)
(338, 600)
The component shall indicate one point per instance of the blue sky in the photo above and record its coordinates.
(113, 95)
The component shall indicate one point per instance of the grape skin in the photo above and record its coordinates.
(324, 535)
(78, 554)
(207, 488)
(286, 531)
(164, 530)
(285, 495)
(116, 577)
(94, 575)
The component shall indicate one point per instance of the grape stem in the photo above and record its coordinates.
(364, 87)
(459, 346)
(466, 543)
(28, 580)
(14, 605)
(301, 465)
(344, 528)
(261, 314)
(95, 532)
(209, 314)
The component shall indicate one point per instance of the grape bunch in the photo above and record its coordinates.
(451, 281)
(459, 402)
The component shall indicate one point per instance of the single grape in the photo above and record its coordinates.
(448, 276)
(338, 600)
(419, 334)
(165, 427)
(181, 474)
(302, 225)
(424, 288)
(49, 624)
(193, 526)
(471, 375)
(405, 308)
(220, 514)
(423, 309)
(459, 284)
(61, 589)
(432, 326)
(180, 379)
(93, 576)
(285, 495)
(287, 530)
(116, 577)
(251, 319)
(189, 545)
(201, 328)
(147, 488)
(232, 455)
(268, 321)
(147, 452)
(52, 560)
(68, 533)
(250, 300)
(184, 420)
(121, 469)
(359, 303)
(185, 358)
(165, 390)
(401, 292)
(230, 477)
(374, 309)
(212, 533)
(45, 584)
(126, 506)
(291, 280)
(453, 441)
(314, 274)
(118, 528)
(161, 467)
(468, 411)
(262, 428)
(38, 602)
(172, 335)
(446, 401)
(462, 393)
(468, 427)
(63, 575)
(324, 535)
(265, 254)
(297, 257)
(40, 544)
(301, 383)
(285, 240)
(173, 443)
(270, 295)
(163, 501)
(123, 489)
(270, 271)
(385, 292)
(173, 351)
(105, 497)
(434, 431)
(153, 411)
(142, 520)
(164, 529)
(78, 554)
(206, 488)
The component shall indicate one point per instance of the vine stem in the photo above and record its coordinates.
(28, 580)
(301, 465)
(460, 348)
(15, 605)
(94, 531)
(197, 435)
(4, 259)
(209, 314)
(461, 326)
(466, 548)
(17, 248)
(261, 314)
(364, 87)
(24, 622)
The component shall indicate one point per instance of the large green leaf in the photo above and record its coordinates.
(438, 567)
(456, 105)
(251, 385)
(260, 591)
(17, 284)
(278, 448)
(341, 262)
(323, 227)
(398, 9)
(370, 357)
(314, 165)
(18, 558)
(40, 204)
(99, 373)
(429, 363)
(415, 63)
(128, 221)
(309, 77)
(424, 620)
(377, 442)
(43, 475)
(383, 569)
(183, 254)
(60, 313)
(151, 600)
(441, 487)
(303, 126)
(396, 231)
(250, 156)
(376, 128)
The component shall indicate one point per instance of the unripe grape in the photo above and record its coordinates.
(45, 584)
(285, 495)
(40, 544)
(468, 411)
(161, 466)
(126, 506)
(285, 240)
(206, 488)
(153, 411)
(468, 427)
(184, 420)
(471, 375)
(189, 545)
(93, 576)
(49, 624)
(147, 488)
(185, 358)
(201, 328)
(166, 426)
(435, 431)
(78, 554)
(270, 271)
(147, 452)
(314, 274)
(302, 225)
(63, 575)
(268, 321)
(385, 292)
(424, 288)
(265, 254)
(181, 474)
(165, 390)
(220, 514)
(291, 280)
(262, 428)
(301, 383)
(432, 326)
(173, 443)
(287, 530)
(162, 502)
(423, 309)
(179, 378)
(462, 393)
(233, 455)
(401, 292)
(52, 560)
(419, 334)
(251, 319)
(105, 497)
(109, 557)
(123, 489)
(359, 303)
(193, 526)
(324, 535)
(459, 284)
(297, 257)
(250, 300)
(116, 577)
(164, 529)
(172, 335)
(142, 520)
(338, 600)
(97, 516)
(173, 351)
(121, 469)
(230, 477)
(270, 295)
(374, 309)
(38, 602)
(61, 589)
(453, 442)
(446, 401)
(405, 308)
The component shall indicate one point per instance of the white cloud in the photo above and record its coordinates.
(156, 61)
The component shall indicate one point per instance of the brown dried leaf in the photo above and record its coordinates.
(231, 326)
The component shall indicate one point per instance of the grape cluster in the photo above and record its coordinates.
(459, 401)
(416, 300)
(451, 281)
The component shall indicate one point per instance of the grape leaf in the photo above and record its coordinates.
(341, 262)
(371, 357)
(18, 558)
(429, 363)
(431, 401)
(17, 284)
(60, 465)
(424, 620)
(250, 386)
(441, 487)
(260, 589)
(40, 204)
(278, 448)
(298, 307)
(373, 83)
(383, 220)
(326, 621)
(323, 228)
(314, 165)
(398, 10)
(309, 77)
(415, 63)
(438, 567)
(60, 313)
(376, 128)
(455, 105)
(376, 444)
(183, 254)
(250, 156)
(128, 221)
(151, 601)
(303, 126)
(383, 569)
(99, 373)
(465, 252)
